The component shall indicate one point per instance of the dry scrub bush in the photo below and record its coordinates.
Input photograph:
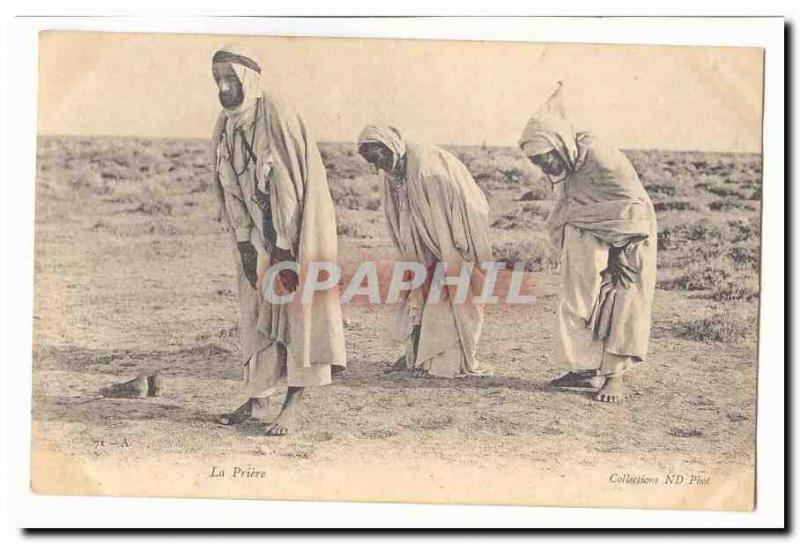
(353, 230)
(729, 326)
(356, 194)
(531, 216)
(537, 254)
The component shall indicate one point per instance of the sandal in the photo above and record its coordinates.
(585, 380)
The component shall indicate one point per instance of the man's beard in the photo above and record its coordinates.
(555, 179)
(556, 172)
(231, 100)
(377, 167)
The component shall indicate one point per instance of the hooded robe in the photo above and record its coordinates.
(435, 213)
(602, 209)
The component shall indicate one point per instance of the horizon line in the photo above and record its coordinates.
(353, 142)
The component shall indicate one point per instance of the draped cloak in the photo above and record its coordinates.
(602, 195)
(290, 171)
(442, 217)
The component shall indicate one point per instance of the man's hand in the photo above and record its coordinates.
(287, 278)
(622, 261)
(249, 257)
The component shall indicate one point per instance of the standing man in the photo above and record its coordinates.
(605, 227)
(436, 213)
(274, 197)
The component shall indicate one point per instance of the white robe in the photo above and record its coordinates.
(602, 204)
(438, 215)
(289, 168)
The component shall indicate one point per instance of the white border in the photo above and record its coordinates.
(27, 509)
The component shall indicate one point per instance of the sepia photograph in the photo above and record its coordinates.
(397, 270)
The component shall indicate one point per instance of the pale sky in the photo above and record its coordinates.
(447, 92)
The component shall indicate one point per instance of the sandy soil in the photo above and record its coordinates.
(121, 290)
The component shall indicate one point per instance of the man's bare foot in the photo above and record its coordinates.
(254, 408)
(285, 422)
(612, 391)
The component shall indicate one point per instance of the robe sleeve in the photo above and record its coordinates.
(447, 229)
(450, 211)
(390, 212)
(458, 222)
(288, 170)
(461, 219)
(283, 205)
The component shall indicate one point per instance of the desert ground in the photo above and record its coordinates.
(133, 274)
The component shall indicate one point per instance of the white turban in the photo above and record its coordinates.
(248, 70)
(386, 135)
